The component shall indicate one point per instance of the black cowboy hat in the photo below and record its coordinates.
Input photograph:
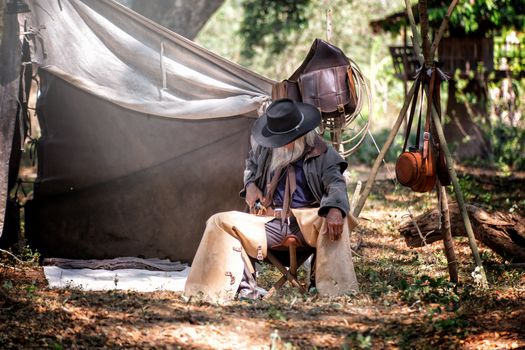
(285, 121)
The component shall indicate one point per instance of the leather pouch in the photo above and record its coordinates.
(331, 90)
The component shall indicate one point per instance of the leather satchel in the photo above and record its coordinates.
(416, 168)
(286, 89)
(324, 79)
(331, 90)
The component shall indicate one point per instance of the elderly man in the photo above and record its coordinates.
(293, 185)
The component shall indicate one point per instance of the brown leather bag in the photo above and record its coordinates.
(416, 168)
(286, 89)
(324, 79)
(331, 90)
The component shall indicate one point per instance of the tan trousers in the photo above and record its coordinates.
(218, 265)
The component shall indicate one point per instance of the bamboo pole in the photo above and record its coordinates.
(381, 156)
(423, 16)
(452, 263)
(442, 140)
(423, 21)
(459, 195)
(442, 28)
(416, 38)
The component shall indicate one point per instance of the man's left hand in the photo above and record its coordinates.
(334, 224)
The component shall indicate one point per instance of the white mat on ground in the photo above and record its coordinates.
(124, 279)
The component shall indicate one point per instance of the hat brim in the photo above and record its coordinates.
(266, 138)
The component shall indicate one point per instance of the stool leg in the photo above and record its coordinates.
(293, 269)
(293, 260)
(290, 275)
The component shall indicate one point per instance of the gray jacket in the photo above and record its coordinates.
(323, 168)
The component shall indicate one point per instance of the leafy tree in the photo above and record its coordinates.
(470, 17)
(268, 23)
(183, 17)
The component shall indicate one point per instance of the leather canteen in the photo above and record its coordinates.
(329, 89)
(415, 171)
(409, 167)
(427, 179)
(416, 168)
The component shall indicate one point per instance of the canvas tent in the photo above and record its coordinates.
(144, 133)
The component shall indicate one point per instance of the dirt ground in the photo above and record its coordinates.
(405, 302)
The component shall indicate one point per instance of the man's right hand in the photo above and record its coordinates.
(253, 193)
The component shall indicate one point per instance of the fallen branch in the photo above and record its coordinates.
(503, 233)
(12, 255)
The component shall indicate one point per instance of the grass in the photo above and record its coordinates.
(405, 301)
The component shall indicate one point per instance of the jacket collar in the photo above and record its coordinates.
(318, 148)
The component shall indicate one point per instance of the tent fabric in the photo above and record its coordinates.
(109, 51)
(107, 280)
(10, 53)
(144, 134)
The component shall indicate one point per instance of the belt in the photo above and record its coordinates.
(277, 213)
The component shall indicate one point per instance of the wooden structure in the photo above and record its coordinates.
(425, 52)
(464, 53)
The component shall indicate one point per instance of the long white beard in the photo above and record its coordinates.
(283, 156)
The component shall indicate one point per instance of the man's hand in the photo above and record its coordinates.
(334, 224)
(253, 193)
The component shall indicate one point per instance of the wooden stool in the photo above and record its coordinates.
(292, 243)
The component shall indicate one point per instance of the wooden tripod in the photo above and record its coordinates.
(425, 53)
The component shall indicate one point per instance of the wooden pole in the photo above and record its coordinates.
(381, 156)
(457, 191)
(416, 39)
(447, 233)
(423, 17)
(441, 136)
(442, 28)
(423, 21)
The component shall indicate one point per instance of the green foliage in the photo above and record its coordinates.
(508, 145)
(268, 23)
(472, 18)
(357, 340)
(474, 193)
(432, 290)
(30, 255)
(275, 313)
(506, 130)
(481, 17)
(367, 153)
(509, 55)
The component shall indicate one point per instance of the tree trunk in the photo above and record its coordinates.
(503, 233)
(181, 16)
(461, 130)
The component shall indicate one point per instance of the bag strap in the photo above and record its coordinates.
(418, 130)
(430, 99)
(412, 110)
(430, 102)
